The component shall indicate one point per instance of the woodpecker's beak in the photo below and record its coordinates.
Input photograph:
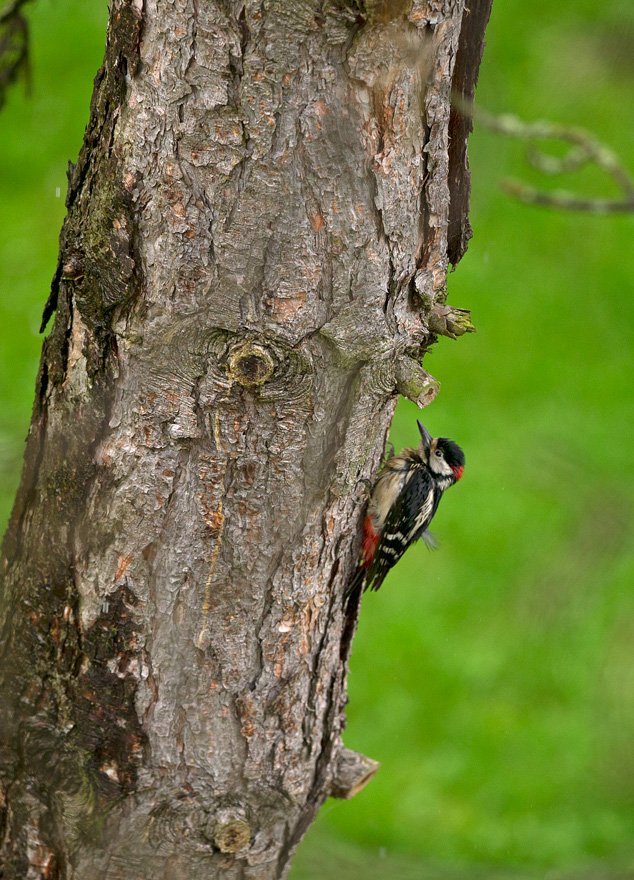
(425, 437)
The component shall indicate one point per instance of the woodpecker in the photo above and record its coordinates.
(402, 505)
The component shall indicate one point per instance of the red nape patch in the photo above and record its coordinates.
(370, 540)
(458, 470)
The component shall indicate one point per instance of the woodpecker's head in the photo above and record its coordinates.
(444, 457)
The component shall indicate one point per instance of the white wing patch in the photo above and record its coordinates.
(423, 515)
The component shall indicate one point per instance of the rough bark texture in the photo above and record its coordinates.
(257, 235)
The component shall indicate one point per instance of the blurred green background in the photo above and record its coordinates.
(494, 678)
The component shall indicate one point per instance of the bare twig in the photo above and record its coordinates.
(564, 199)
(584, 149)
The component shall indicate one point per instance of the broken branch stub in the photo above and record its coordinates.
(352, 772)
(450, 321)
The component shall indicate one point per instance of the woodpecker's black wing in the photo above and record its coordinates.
(405, 522)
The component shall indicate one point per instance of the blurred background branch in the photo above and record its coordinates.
(14, 46)
(584, 148)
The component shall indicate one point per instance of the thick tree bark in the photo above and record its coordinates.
(252, 266)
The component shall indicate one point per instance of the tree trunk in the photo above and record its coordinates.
(252, 265)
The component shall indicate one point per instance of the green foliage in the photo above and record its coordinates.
(493, 677)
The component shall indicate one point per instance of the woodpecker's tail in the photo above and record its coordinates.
(355, 586)
(430, 540)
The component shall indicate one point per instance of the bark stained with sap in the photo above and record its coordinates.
(257, 236)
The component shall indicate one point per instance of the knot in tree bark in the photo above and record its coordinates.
(250, 364)
(233, 836)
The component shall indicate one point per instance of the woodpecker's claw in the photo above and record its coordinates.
(367, 490)
(390, 451)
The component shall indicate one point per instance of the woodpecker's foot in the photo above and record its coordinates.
(364, 493)
(390, 451)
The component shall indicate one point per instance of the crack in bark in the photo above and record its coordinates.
(267, 605)
(236, 64)
(193, 50)
(391, 288)
(425, 231)
(238, 178)
(314, 676)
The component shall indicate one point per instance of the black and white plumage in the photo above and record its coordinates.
(403, 503)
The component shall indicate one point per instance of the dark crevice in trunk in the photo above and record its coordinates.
(465, 78)
(426, 235)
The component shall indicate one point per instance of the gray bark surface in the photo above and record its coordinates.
(256, 241)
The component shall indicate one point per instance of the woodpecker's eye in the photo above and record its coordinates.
(439, 453)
